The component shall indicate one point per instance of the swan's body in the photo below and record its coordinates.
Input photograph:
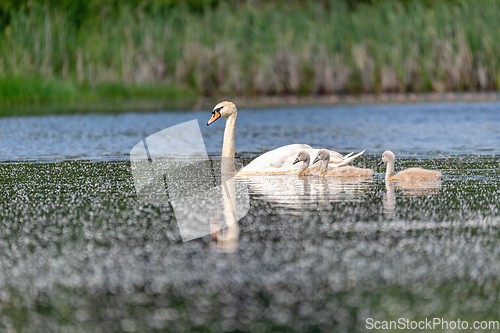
(344, 171)
(277, 161)
(411, 174)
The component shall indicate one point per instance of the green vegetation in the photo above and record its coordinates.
(63, 50)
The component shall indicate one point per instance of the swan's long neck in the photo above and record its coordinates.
(389, 172)
(228, 167)
(230, 240)
(305, 165)
(228, 143)
(324, 166)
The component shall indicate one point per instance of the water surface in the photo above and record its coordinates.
(80, 252)
(464, 128)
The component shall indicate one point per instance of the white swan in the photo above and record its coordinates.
(279, 160)
(411, 174)
(345, 171)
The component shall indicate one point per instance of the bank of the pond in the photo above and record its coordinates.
(351, 99)
(193, 102)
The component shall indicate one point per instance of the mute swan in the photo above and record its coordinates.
(279, 160)
(411, 174)
(345, 171)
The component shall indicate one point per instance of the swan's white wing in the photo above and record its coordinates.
(346, 160)
(278, 160)
(336, 157)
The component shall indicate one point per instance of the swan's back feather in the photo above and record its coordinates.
(349, 171)
(417, 174)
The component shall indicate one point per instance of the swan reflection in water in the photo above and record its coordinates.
(407, 189)
(292, 192)
(297, 193)
(224, 218)
(305, 192)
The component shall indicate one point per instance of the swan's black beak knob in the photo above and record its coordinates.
(215, 116)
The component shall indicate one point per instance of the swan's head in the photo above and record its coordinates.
(302, 156)
(323, 155)
(387, 156)
(223, 109)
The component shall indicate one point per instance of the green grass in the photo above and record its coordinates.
(269, 48)
(39, 95)
(18, 89)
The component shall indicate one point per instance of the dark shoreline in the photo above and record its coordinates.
(386, 98)
(250, 102)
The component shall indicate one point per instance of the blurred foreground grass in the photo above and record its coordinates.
(149, 49)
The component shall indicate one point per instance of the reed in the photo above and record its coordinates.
(253, 48)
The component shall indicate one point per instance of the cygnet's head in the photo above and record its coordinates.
(323, 155)
(302, 156)
(223, 109)
(387, 156)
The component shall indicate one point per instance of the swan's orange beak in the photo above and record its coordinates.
(215, 116)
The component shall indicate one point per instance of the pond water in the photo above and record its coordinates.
(80, 252)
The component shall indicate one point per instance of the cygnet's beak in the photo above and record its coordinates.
(296, 161)
(215, 116)
(316, 160)
(380, 163)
